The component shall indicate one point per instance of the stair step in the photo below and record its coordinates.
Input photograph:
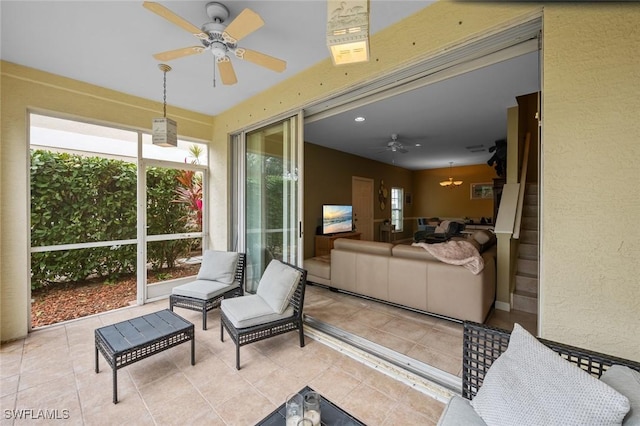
(531, 188)
(528, 236)
(528, 251)
(531, 200)
(529, 211)
(529, 222)
(526, 266)
(527, 283)
(524, 301)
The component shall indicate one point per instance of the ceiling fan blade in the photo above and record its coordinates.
(178, 53)
(262, 59)
(227, 73)
(245, 23)
(402, 150)
(159, 9)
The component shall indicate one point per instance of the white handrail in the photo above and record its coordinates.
(523, 182)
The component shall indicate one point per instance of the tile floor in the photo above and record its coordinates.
(434, 341)
(53, 369)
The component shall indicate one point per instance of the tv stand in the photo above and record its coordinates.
(324, 243)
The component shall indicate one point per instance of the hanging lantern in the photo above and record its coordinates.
(164, 130)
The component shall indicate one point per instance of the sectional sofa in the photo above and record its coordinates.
(408, 276)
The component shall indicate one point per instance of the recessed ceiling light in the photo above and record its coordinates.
(359, 119)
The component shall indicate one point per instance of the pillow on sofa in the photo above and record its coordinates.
(485, 238)
(530, 384)
(627, 382)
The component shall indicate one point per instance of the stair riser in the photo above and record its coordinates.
(531, 200)
(528, 284)
(528, 237)
(529, 223)
(529, 267)
(524, 303)
(531, 189)
(528, 251)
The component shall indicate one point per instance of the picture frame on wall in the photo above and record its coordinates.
(408, 199)
(481, 191)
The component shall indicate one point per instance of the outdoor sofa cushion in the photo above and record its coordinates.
(529, 384)
(458, 412)
(218, 266)
(250, 310)
(277, 285)
(627, 382)
(203, 289)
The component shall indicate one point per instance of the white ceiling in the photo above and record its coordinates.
(110, 43)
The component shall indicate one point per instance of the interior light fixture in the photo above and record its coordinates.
(348, 31)
(359, 119)
(450, 183)
(164, 131)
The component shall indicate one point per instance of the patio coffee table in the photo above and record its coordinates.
(330, 414)
(130, 341)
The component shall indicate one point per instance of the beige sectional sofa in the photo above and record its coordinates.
(408, 276)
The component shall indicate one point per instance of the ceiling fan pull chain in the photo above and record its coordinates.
(214, 72)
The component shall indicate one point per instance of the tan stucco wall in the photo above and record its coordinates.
(590, 201)
(590, 279)
(25, 89)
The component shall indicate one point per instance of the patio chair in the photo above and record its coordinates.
(221, 276)
(276, 308)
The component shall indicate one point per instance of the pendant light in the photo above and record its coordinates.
(164, 130)
(450, 183)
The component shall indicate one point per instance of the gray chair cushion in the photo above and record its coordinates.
(627, 382)
(218, 266)
(459, 412)
(250, 310)
(277, 285)
(203, 289)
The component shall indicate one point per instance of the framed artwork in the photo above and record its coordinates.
(481, 191)
(408, 199)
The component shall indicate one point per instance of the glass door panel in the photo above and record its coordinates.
(271, 198)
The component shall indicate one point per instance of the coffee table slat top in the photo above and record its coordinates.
(141, 330)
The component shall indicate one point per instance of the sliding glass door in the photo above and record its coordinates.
(269, 184)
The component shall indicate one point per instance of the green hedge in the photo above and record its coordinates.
(78, 199)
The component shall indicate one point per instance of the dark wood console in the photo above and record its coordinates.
(324, 243)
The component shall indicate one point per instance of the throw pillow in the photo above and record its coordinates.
(218, 266)
(277, 285)
(627, 382)
(530, 384)
(485, 238)
(443, 227)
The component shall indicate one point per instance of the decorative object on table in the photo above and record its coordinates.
(499, 157)
(312, 407)
(451, 183)
(294, 409)
(382, 195)
(221, 276)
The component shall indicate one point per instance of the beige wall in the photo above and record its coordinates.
(590, 200)
(24, 89)
(590, 281)
(328, 181)
(432, 200)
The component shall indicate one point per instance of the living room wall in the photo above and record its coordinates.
(432, 200)
(327, 180)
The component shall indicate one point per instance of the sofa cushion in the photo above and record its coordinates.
(250, 310)
(277, 285)
(218, 266)
(530, 384)
(458, 412)
(203, 289)
(627, 382)
(368, 247)
(410, 252)
(319, 266)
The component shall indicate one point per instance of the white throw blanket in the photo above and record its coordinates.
(456, 253)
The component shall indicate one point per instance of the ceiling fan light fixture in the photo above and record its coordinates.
(348, 31)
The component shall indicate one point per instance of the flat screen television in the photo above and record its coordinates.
(336, 218)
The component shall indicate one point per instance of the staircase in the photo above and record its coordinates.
(525, 295)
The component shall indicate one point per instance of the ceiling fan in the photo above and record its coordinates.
(219, 38)
(394, 146)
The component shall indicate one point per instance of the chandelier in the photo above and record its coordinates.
(450, 183)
